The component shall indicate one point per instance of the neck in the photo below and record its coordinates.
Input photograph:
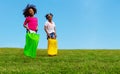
(32, 16)
(50, 21)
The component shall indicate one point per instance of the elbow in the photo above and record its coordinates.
(24, 26)
(45, 28)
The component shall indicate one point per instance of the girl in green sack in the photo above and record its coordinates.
(31, 22)
(31, 25)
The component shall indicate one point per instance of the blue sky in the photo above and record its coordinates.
(80, 23)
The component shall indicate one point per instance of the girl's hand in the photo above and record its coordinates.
(27, 28)
(55, 36)
(49, 35)
(37, 28)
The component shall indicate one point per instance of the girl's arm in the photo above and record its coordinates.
(25, 24)
(55, 32)
(37, 28)
(45, 28)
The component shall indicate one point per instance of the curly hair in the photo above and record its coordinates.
(26, 10)
(48, 15)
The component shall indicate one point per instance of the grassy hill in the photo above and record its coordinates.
(12, 61)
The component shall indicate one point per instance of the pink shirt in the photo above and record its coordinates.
(32, 23)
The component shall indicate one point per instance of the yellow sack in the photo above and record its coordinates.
(52, 47)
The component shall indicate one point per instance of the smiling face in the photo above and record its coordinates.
(31, 12)
(49, 18)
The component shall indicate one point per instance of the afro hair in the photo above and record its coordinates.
(26, 10)
(48, 15)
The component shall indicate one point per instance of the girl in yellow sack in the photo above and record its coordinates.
(51, 35)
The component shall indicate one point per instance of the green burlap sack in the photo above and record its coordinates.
(32, 40)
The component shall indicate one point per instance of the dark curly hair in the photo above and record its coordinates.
(48, 15)
(26, 10)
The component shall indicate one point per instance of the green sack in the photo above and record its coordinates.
(30, 48)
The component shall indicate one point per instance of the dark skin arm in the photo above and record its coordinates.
(45, 28)
(37, 29)
(25, 26)
(55, 33)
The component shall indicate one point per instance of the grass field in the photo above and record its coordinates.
(12, 61)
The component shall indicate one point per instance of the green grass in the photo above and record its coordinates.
(12, 61)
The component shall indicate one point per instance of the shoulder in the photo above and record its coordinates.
(46, 23)
(27, 18)
(35, 18)
(53, 23)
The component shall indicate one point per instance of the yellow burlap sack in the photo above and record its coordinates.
(52, 47)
